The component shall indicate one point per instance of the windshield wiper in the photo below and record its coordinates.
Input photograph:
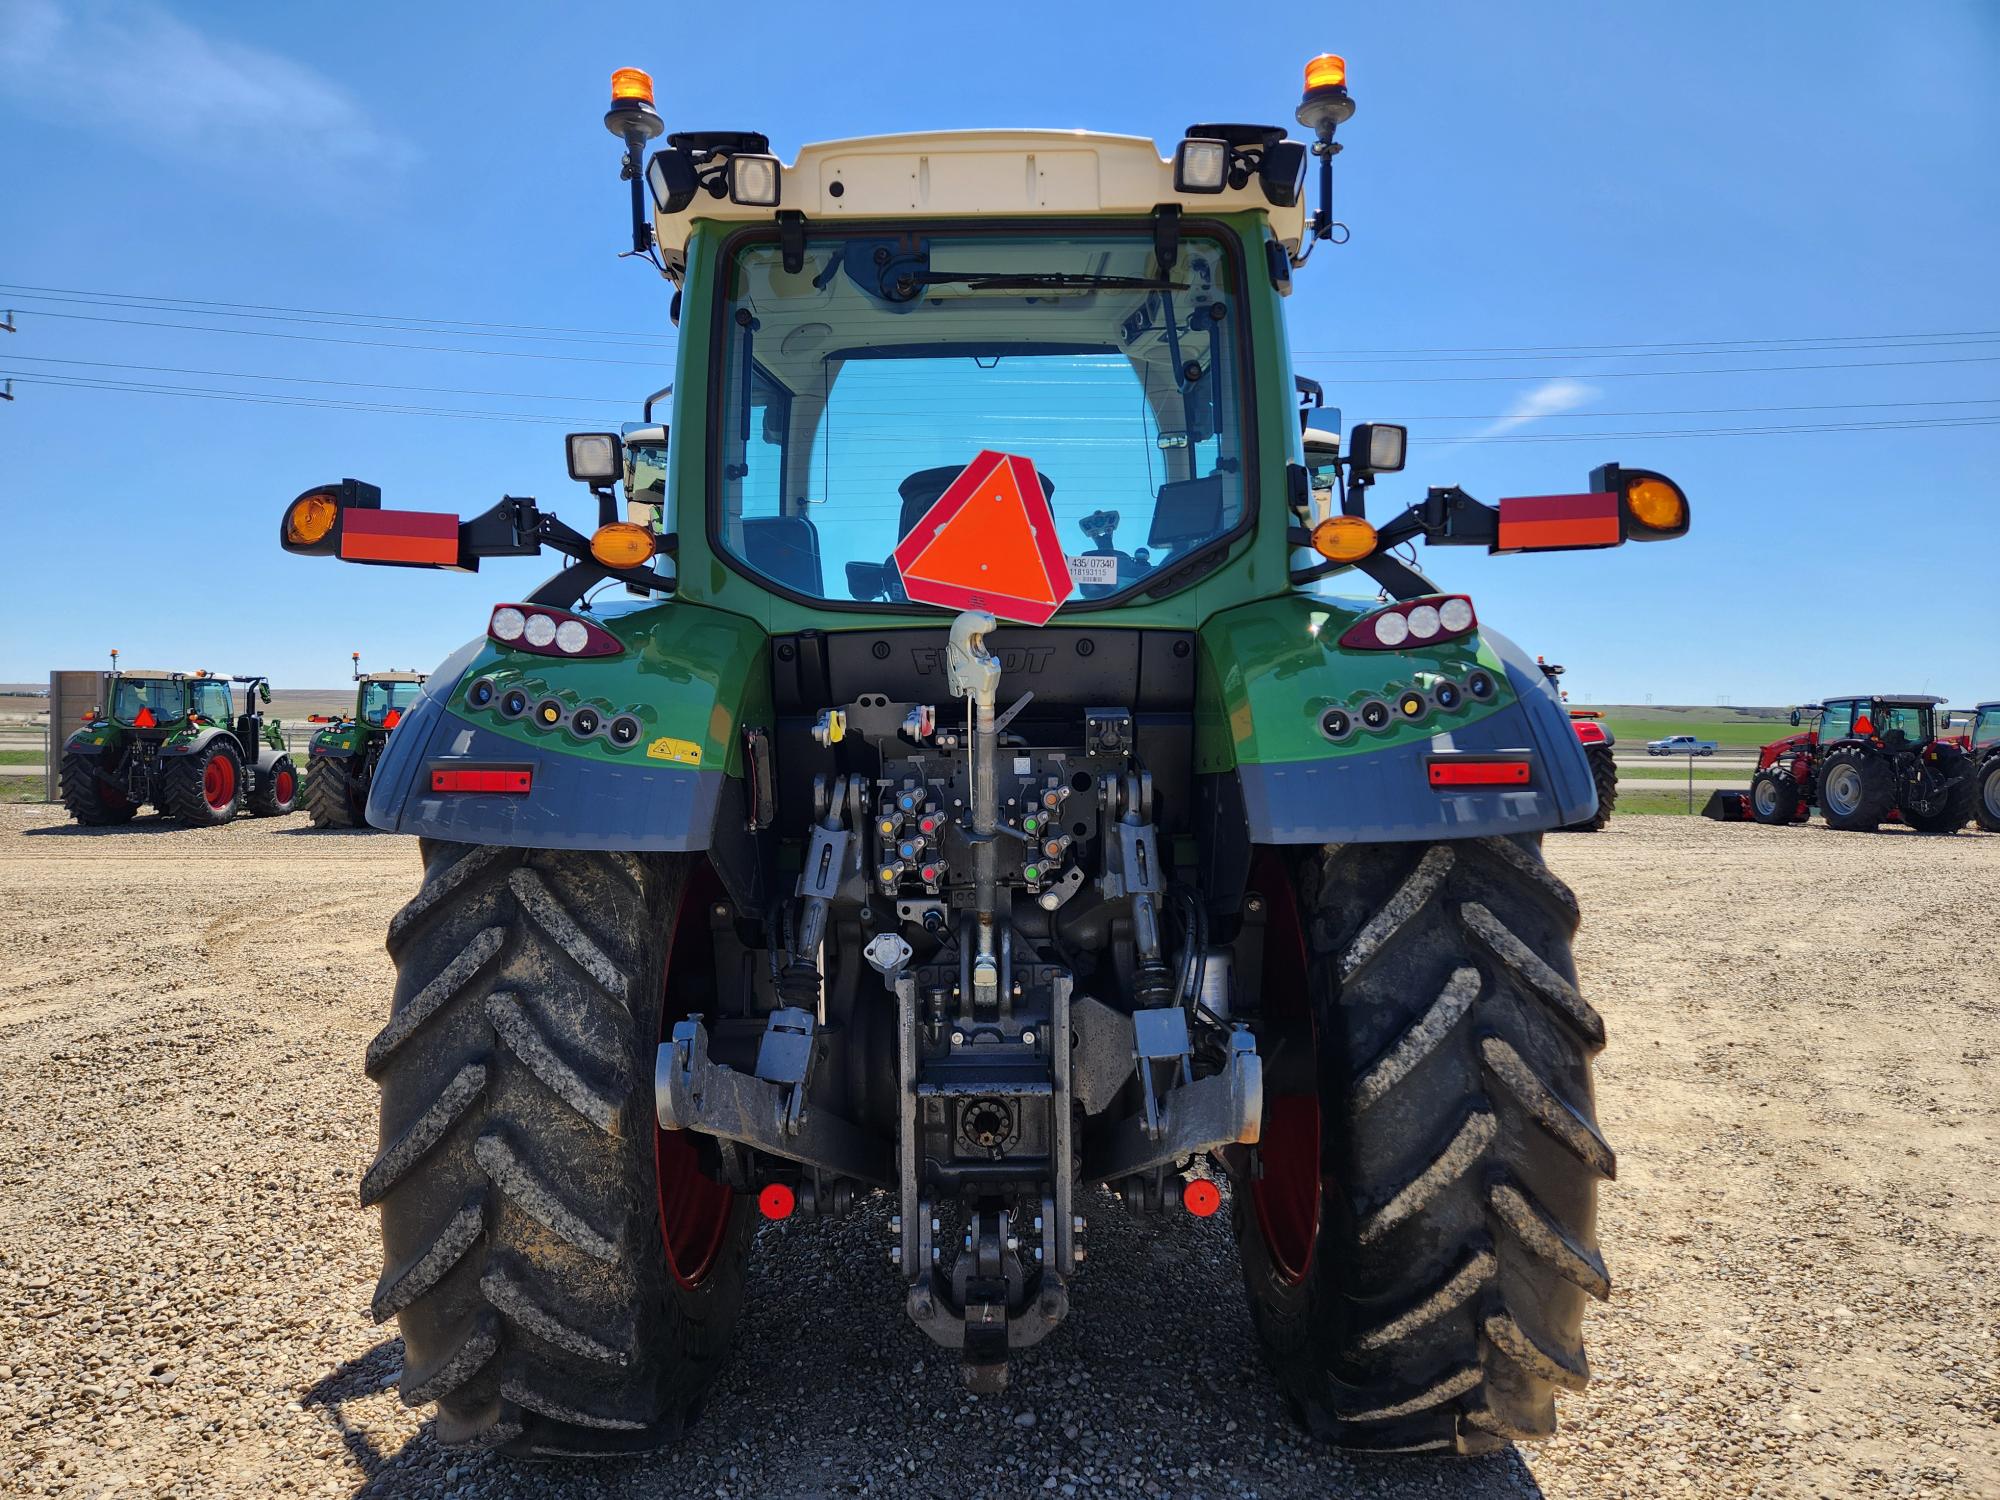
(1032, 281)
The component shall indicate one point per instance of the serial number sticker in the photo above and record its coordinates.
(1094, 567)
(680, 752)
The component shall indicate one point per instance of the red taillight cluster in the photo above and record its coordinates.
(1413, 622)
(549, 632)
(1587, 732)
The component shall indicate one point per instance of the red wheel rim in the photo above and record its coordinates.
(218, 782)
(285, 785)
(694, 1207)
(1287, 1195)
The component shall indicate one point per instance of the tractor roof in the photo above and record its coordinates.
(1900, 700)
(393, 676)
(978, 174)
(159, 673)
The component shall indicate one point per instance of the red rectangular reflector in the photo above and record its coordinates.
(428, 538)
(482, 779)
(1511, 772)
(1548, 523)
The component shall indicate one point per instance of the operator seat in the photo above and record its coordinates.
(923, 488)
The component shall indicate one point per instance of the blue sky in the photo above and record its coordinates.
(1562, 177)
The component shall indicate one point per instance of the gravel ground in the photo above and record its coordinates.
(1800, 1084)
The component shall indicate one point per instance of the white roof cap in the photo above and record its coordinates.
(979, 173)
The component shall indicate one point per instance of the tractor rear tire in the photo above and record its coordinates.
(332, 798)
(1774, 797)
(1603, 771)
(1960, 801)
(567, 1277)
(203, 789)
(1857, 789)
(91, 797)
(278, 793)
(1986, 808)
(1421, 1243)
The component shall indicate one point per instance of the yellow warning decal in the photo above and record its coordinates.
(680, 752)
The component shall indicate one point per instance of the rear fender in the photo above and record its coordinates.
(336, 741)
(1272, 670)
(197, 738)
(691, 676)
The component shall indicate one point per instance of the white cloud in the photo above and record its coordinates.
(133, 70)
(1550, 399)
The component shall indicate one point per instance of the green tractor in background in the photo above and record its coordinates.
(177, 741)
(341, 762)
(797, 885)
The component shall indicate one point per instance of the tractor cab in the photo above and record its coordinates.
(1984, 733)
(148, 702)
(1895, 722)
(386, 696)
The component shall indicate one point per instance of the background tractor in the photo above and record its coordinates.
(798, 880)
(1984, 745)
(1865, 762)
(176, 740)
(1597, 740)
(341, 762)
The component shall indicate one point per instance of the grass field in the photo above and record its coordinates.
(1744, 728)
(1648, 801)
(1704, 772)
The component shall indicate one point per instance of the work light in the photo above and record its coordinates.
(754, 181)
(1201, 166)
(595, 457)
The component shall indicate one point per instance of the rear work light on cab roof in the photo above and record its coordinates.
(549, 632)
(1413, 622)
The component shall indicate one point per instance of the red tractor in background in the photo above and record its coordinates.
(1865, 762)
(1597, 739)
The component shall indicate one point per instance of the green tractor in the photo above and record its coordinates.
(341, 762)
(176, 740)
(795, 885)
(1983, 744)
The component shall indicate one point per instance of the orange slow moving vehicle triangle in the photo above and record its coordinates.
(988, 543)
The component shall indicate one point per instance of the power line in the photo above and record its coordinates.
(380, 326)
(311, 403)
(1704, 432)
(600, 402)
(1824, 348)
(317, 338)
(1776, 343)
(1688, 411)
(1879, 364)
(370, 385)
(52, 292)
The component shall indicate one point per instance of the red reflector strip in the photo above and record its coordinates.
(483, 779)
(1479, 772)
(425, 537)
(1543, 523)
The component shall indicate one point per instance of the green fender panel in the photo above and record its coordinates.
(692, 676)
(1270, 671)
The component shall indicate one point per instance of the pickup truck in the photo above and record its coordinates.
(1680, 744)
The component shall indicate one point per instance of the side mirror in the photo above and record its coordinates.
(645, 469)
(264, 692)
(1796, 720)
